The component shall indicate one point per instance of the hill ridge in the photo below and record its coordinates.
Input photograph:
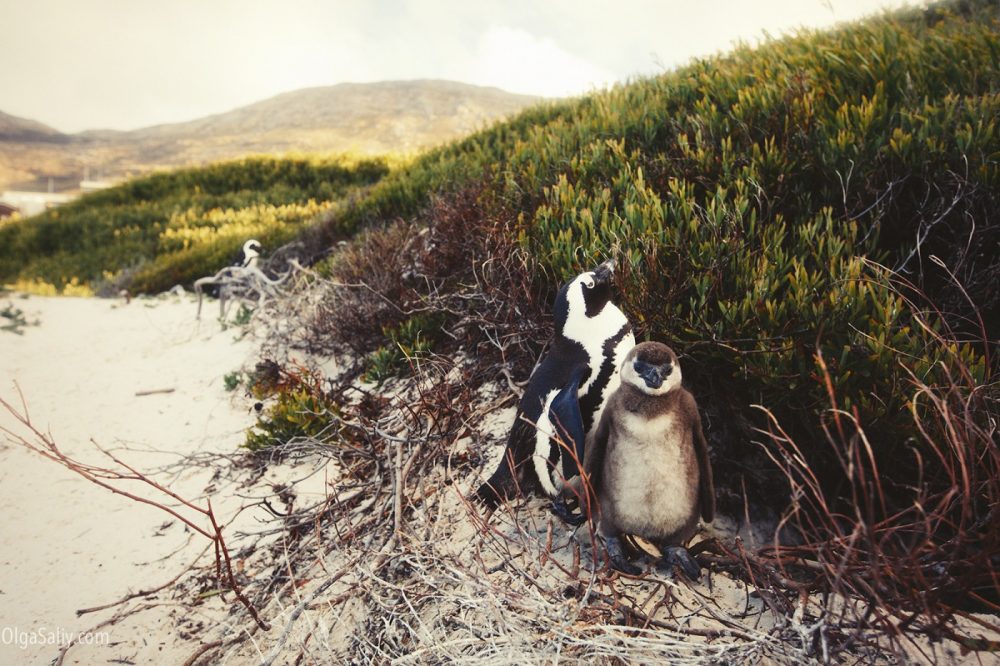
(366, 118)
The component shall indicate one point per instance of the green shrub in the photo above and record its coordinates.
(154, 232)
(232, 380)
(295, 407)
(765, 206)
(408, 343)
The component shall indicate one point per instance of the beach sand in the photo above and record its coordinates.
(66, 544)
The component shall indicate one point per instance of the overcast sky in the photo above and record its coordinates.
(124, 64)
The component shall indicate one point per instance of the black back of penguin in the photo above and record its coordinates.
(581, 368)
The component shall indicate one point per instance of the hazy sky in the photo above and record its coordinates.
(123, 64)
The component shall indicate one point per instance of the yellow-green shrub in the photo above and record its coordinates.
(128, 227)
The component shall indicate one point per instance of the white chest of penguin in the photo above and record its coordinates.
(649, 472)
(592, 333)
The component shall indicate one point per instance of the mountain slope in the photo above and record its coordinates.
(13, 128)
(365, 118)
(354, 107)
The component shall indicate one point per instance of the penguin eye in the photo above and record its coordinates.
(588, 281)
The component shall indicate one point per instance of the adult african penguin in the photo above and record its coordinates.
(249, 255)
(566, 391)
(648, 463)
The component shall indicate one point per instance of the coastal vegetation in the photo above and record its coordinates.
(170, 228)
(813, 215)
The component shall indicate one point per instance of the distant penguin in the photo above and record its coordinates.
(648, 463)
(566, 391)
(249, 255)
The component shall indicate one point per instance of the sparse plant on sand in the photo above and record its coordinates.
(12, 319)
(408, 344)
(232, 380)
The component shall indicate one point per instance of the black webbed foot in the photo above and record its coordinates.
(680, 557)
(617, 557)
(560, 509)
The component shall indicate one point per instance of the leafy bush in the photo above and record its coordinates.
(232, 380)
(297, 407)
(813, 223)
(763, 205)
(151, 233)
(408, 343)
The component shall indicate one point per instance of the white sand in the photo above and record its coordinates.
(66, 544)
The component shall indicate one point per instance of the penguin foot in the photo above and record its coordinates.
(560, 509)
(679, 556)
(617, 557)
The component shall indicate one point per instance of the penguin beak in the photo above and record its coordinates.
(604, 272)
(652, 376)
(653, 379)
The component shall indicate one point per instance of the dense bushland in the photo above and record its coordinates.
(812, 223)
(154, 232)
(762, 203)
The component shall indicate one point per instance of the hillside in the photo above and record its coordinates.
(812, 224)
(13, 128)
(367, 119)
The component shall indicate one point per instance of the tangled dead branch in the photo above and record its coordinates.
(245, 284)
(918, 558)
(393, 564)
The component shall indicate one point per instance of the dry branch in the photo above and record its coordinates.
(109, 478)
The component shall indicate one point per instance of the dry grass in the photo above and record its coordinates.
(919, 557)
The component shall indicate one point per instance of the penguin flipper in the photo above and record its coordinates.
(567, 418)
(565, 415)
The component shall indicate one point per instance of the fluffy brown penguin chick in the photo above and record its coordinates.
(648, 463)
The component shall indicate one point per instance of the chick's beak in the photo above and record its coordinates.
(652, 377)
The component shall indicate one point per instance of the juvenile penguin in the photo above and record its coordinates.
(648, 462)
(566, 392)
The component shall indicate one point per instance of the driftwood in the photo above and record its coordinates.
(243, 283)
(139, 394)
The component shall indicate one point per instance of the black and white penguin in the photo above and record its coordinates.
(249, 255)
(566, 391)
(648, 463)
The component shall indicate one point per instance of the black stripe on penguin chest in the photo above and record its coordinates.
(591, 402)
